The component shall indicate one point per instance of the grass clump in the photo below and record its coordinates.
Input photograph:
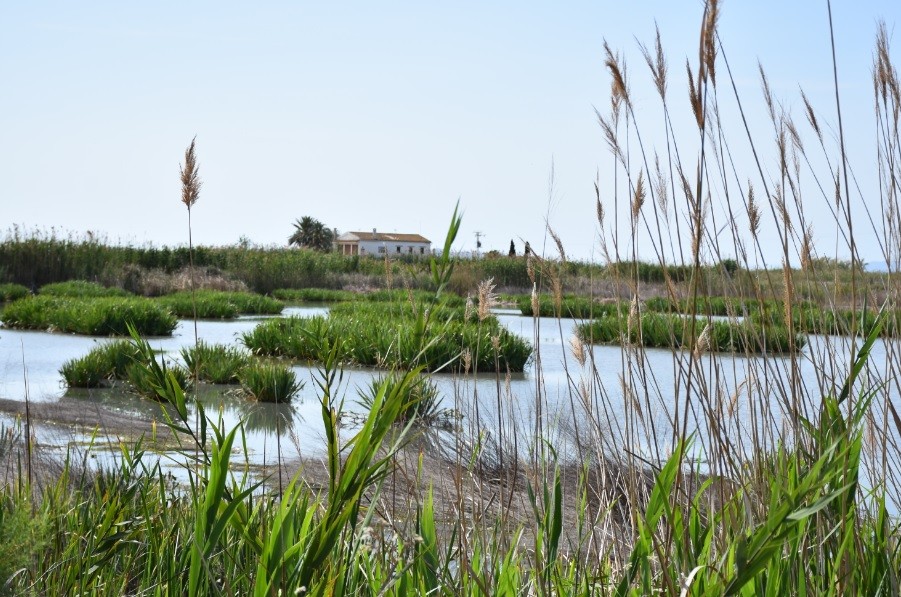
(101, 366)
(313, 295)
(104, 316)
(12, 292)
(80, 289)
(215, 363)
(569, 307)
(213, 304)
(270, 382)
(659, 330)
(386, 335)
(421, 401)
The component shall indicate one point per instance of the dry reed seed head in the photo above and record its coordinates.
(190, 179)
(618, 74)
(530, 268)
(634, 320)
(694, 97)
(487, 298)
(638, 198)
(536, 306)
(469, 309)
(557, 242)
(767, 93)
(496, 343)
(789, 292)
(793, 134)
(578, 349)
(811, 116)
(609, 134)
(708, 39)
(779, 200)
(467, 360)
(660, 185)
(598, 206)
(557, 288)
(703, 344)
(807, 249)
(753, 211)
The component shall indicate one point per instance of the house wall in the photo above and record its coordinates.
(377, 248)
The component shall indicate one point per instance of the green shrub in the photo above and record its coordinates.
(270, 382)
(214, 363)
(79, 289)
(12, 292)
(105, 316)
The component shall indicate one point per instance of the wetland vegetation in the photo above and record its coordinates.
(739, 474)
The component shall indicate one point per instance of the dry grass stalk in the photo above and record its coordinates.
(807, 249)
(812, 117)
(708, 40)
(694, 97)
(753, 212)
(657, 64)
(618, 73)
(578, 349)
(557, 242)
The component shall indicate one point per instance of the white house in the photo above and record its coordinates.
(380, 244)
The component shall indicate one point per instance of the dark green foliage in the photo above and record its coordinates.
(270, 382)
(659, 330)
(814, 320)
(214, 363)
(79, 289)
(214, 304)
(12, 292)
(310, 233)
(105, 316)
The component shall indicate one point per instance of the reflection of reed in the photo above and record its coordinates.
(268, 416)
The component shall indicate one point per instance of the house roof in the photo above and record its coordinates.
(383, 237)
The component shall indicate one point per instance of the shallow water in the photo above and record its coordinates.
(639, 419)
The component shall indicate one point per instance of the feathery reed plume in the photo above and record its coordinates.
(753, 211)
(767, 93)
(618, 72)
(657, 64)
(599, 207)
(694, 96)
(638, 197)
(536, 305)
(578, 349)
(661, 188)
(469, 309)
(807, 248)
(530, 268)
(467, 360)
(708, 39)
(703, 344)
(811, 116)
(557, 242)
(190, 179)
(487, 298)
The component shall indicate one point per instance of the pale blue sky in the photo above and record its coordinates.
(375, 114)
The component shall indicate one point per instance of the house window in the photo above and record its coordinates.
(398, 248)
(409, 249)
(381, 249)
(422, 250)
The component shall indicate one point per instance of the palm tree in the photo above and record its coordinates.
(310, 233)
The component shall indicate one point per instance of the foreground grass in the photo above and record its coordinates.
(104, 316)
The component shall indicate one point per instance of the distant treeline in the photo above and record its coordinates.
(38, 260)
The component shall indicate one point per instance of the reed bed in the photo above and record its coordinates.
(211, 304)
(313, 295)
(386, 336)
(751, 476)
(103, 316)
(80, 289)
(658, 330)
